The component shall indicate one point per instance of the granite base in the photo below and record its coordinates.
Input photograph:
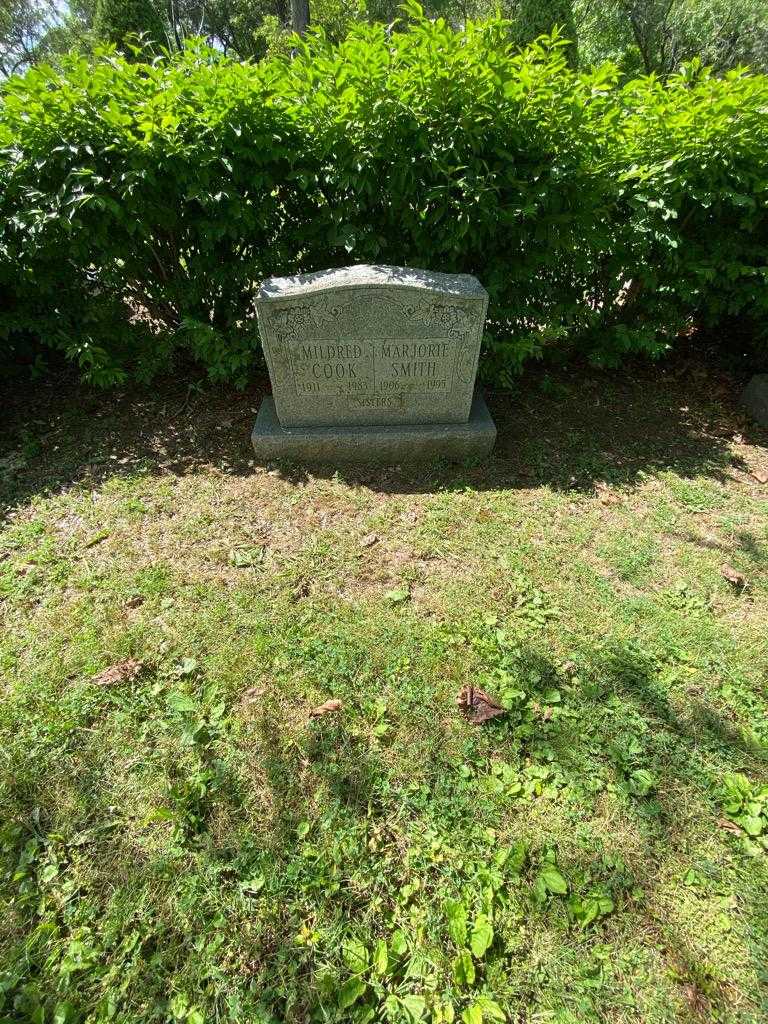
(383, 445)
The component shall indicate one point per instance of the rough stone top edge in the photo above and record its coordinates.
(464, 285)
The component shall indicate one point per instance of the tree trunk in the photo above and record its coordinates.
(299, 16)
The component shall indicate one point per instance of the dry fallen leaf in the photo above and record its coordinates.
(607, 496)
(120, 672)
(738, 579)
(328, 708)
(729, 826)
(253, 693)
(697, 1001)
(709, 540)
(97, 539)
(369, 540)
(477, 705)
(761, 475)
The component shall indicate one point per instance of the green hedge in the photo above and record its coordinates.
(141, 201)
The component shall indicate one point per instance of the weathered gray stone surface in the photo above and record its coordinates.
(755, 398)
(372, 345)
(380, 444)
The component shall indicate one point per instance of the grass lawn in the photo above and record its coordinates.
(183, 840)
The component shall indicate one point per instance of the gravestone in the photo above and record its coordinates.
(755, 398)
(372, 364)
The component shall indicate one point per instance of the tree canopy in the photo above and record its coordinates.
(641, 36)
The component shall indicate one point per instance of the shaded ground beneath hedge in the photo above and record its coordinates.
(566, 430)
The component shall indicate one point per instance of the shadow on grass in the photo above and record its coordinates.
(614, 698)
(566, 432)
(329, 761)
(626, 722)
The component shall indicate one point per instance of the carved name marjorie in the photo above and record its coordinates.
(414, 349)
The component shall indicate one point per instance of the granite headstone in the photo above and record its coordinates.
(372, 363)
(755, 398)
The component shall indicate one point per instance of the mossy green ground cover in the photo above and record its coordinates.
(192, 845)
